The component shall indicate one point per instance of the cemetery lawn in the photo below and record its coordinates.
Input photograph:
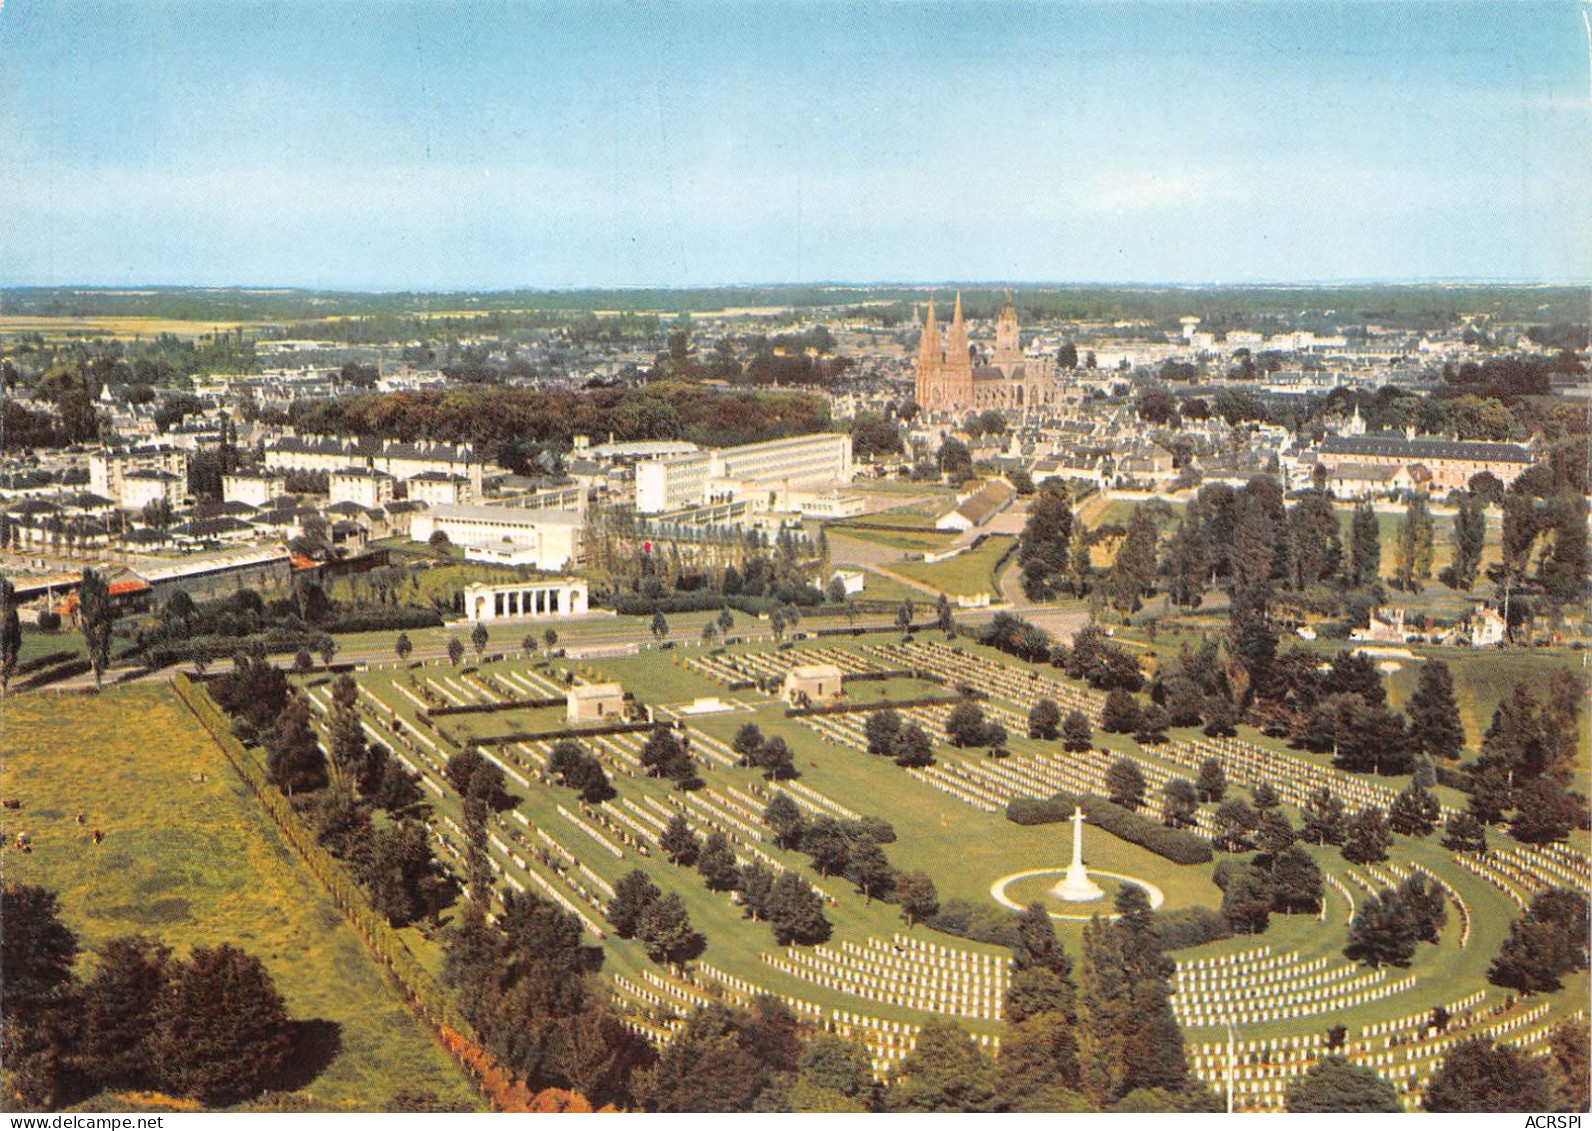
(199, 863)
(966, 575)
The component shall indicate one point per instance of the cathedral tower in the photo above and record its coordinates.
(1008, 344)
(958, 379)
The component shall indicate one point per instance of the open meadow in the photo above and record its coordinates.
(190, 857)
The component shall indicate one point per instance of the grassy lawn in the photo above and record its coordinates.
(36, 644)
(911, 541)
(198, 863)
(965, 575)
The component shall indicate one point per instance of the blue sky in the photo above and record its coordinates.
(476, 145)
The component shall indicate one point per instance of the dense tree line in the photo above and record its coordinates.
(211, 1027)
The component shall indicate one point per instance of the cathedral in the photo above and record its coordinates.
(952, 382)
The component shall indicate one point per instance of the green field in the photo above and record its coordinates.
(196, 862)
(966, 575)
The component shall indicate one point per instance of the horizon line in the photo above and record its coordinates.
(878, 284)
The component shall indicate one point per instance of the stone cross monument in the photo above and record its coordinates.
(1076, 886)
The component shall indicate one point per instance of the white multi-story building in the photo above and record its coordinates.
(107, 469)
(361, 485)
(554, 536)
(255, 488)
(764, 474)
(438, 488)
(143, 486)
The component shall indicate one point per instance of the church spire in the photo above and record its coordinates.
(929, 347)
(956, 340)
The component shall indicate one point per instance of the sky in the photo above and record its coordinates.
(463, 145)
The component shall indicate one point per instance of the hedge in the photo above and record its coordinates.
(391, 619)
(51, 675)
(487, 708)
(1192, 926)
(44, 661)
(1176, 845)
(876, 705)
(1036, 811)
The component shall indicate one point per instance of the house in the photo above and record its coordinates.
(367, 488)
(253, 487)
(1386, 627)
(853, 580)
(595, 703)
(977, 507)
(811, 683)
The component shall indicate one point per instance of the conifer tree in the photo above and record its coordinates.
(1365, 547)
(1435, 726)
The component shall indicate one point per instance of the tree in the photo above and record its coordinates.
(786, 819)
(221, 1028)
(1367, 837)
(666, 933)
(1470, 536)
(633, 894)
(478, 638)
(659, 626)
(1129, 1038)
(679, 843)
(1324, 818)
(882, 728)
(1273, 833)
(1120, 715)
(946, 1071)
(1414, 812)
(400, 873)
(403, 647)
(1044, 720)
(1435, 727)
(1335, 1085)
(120, 1003)
(917, 897)
(1076, 733)
(455, 651)
(1212, 781)
(1179, 803)
(747, 742)
(717, 863)
(1295, 881)
(964, 725)
(97, 618)
(796, 912)
(293, 754)
(1413, 551)
(913, 747)
(1235, 822)
(868, 868)
(1125, 783)
(1247, 900)
(1570, 1046)
(1478, 1075)
(1383, 931)
(904, 615)
(1464, 833)
(1365, 547)
(10, 634)
(1544, 812)
(1133, 571)
(549, 639)
(942, 615)
(1544, 944)
(38, 992)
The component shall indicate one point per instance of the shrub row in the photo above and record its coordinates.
(1192, 926)
(567, 732)
(51, 675)
(390, 618)
(876, 705)
(44, 661)
(1176, 845)
(488, 708)
(1037, 811)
